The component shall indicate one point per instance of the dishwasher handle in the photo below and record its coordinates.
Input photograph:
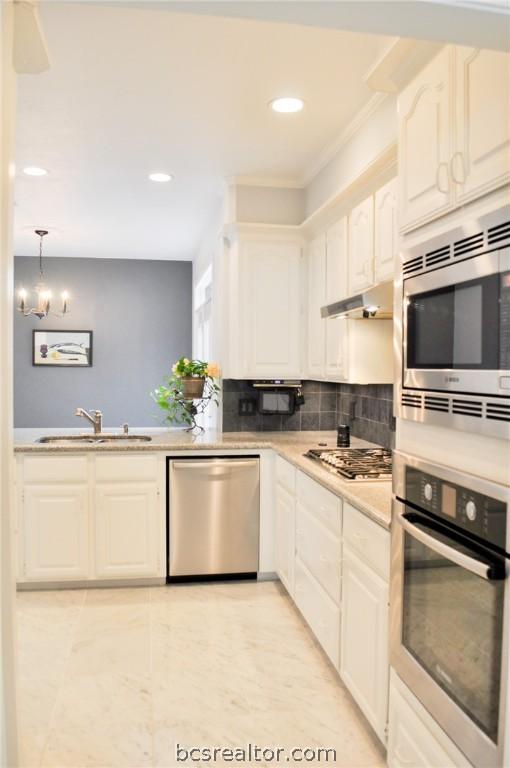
(210, 463)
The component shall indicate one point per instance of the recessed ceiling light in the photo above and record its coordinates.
(161, 177)
(34, 170)
(287, 104)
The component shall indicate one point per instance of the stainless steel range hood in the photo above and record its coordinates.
(373, 304)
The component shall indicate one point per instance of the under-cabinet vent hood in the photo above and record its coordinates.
(375, 303)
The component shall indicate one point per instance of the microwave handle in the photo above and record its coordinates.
(459, 558)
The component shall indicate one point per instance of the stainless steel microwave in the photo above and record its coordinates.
(456, 328)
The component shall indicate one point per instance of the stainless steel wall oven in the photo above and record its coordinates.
(450, 601)
(456, 328)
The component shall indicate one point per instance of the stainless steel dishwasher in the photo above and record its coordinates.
(214, 512)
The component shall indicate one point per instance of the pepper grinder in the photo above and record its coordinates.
(343, 436)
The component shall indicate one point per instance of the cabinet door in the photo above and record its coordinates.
(337, 256)
(361, 246)
(319, 550)
(126, 530)
(425, 143)
(316, 299)
(271, 285)
(481, 161)
(364, 661)
(320, 612)
(386, 233)
(285, 537)
(55, 532)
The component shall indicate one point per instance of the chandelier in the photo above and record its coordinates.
(43, 293)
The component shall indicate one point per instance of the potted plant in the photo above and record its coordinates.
(191, 380)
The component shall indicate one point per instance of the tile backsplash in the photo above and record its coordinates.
(367, 409)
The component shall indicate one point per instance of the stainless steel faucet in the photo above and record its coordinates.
(95, 418)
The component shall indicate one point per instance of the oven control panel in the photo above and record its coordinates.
(475, 513)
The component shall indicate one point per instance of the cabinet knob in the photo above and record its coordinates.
(443, 167)
(458, 161)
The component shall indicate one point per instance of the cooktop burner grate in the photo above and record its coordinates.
(355, 463)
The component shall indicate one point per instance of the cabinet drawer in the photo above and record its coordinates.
(318, 609)
(368, 539)
(285, 474)
(414, 739)
(319, 549)
(55, 469)
(321, 503)
(126, 467)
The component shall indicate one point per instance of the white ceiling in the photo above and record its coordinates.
(134, 90)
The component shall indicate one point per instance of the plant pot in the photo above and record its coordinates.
(192, 387)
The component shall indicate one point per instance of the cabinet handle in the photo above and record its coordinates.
(323, 558)
(453, 164)
(299, 531)
(442, 166)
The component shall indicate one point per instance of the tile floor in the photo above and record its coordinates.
(117, 677)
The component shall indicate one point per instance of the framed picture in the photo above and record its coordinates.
(65, 349)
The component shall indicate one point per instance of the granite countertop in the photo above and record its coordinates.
(372, 498)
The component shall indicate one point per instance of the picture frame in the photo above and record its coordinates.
(62, 348)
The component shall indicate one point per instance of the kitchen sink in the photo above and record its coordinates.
(93, 439)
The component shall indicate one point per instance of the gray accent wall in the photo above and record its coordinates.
(367, 409)
(140, 313)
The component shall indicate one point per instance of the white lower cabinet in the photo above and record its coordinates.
(91, 517)
(127, 531)
(319, 550)
(285, 532)
(55, 533)
(340, 574)
(414, 739)
(364, 639)
(319, 610)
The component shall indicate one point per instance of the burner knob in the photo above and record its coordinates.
(428, 492)
(471, 510)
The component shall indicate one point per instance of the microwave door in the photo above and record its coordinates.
(457, 326)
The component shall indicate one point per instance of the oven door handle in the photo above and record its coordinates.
(478, 567)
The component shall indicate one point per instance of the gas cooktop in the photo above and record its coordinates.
(355, 463)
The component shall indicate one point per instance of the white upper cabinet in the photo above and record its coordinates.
(270, 329)
(316, 299)
(424, 143)
(386, 233)
(454, 133)
(481, 161)
(337, 258)
(361, 246)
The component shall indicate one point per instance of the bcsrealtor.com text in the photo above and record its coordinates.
(253, 753)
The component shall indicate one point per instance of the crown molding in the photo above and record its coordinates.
(399, 64)
(376, 173)
(235, 230)
(332, 149)
(265, 181)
